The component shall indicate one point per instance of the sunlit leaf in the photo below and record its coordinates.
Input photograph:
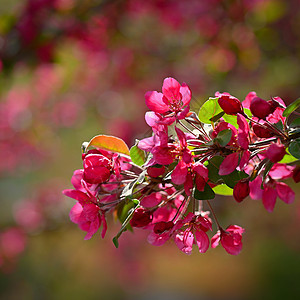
(110, 143)
(293, 106)
(137, 155)
(209, 109)
(223, 189)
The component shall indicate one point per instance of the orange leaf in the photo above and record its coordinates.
(110, 143)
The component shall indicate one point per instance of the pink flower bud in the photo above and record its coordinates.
(230, 104)
(262, 131)
(97, 168)
(275, 153)
(141, 218)
(162, 226)
(241, 190)
(260, 108)
(156, 171)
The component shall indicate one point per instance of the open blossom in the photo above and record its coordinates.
(175, 98)
(195, 233)
(231, 239)
(271, 190)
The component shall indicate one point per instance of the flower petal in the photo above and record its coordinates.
(269, 198)
(155, 103)
(229, 164)
(285, 193)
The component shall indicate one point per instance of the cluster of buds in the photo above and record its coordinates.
(163, 182)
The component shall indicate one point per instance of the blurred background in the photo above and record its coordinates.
(72, 69)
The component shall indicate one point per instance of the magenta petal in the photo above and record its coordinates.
(152, 119)
(77, 195)
(185, 241)
(201, 170)
(269, 198)
(152, 200)
(171, 89)
(244, 159)
(181, 137)
(91, 212)
(202, 241)
(146, 144)
(75, 213)
(76, 179)
(229, 164)
(281, 171)
(215, 240)
(255, 188)
(179, 173)
(186, 94)
(94, 226)
(182, 114)
(155, 103)
(285, 193)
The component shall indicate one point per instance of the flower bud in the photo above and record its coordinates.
(262, 131)
(241, 190)
(275, 153)
(260, 108)
(97, 168)
(230, 104)
(141, 218)
(162, 226)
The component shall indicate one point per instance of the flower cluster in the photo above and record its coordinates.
(162, 183)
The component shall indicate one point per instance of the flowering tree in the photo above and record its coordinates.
(162, 182)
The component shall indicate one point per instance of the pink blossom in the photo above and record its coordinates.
(174, 98)
(87, 217)
(231, 239)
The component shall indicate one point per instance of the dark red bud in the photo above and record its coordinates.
(141, 218)
(162, 226)
(156, 171)
(262, 131)
(260, 108)
(230, 104)
(275, 153)
(241, 190)
(296, 174)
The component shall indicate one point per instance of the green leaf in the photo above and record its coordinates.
(231, 120)
(123, 210)
(223, 189)
(207, 194)
(224, 137)
(294, 148)
(232, 178)
(137, 155)
(116, 242)
(295, 123)
(209, 110)
(293, 106)
(213, 166)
